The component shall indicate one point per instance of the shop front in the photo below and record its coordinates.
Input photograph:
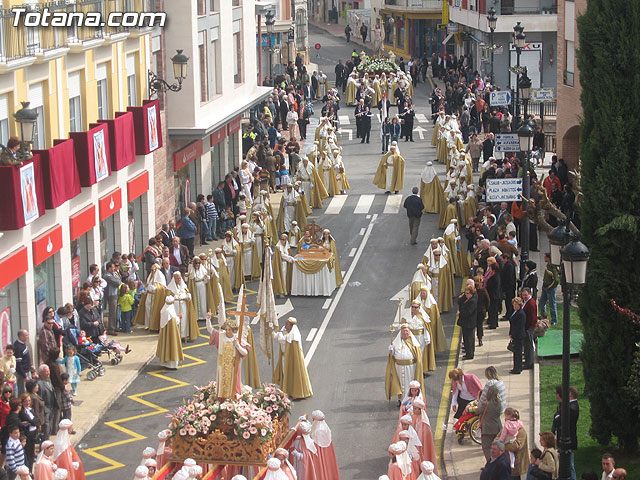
(186, 175)
(219, 163)
(110, 226)
(81, 226)
(46, 271)
(137, 206)
(12, 270)
(411, 34)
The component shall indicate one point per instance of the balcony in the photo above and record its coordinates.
(422, 4)
(527, 7)
(21, 46)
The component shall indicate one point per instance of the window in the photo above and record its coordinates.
(234, 154)
(137, 231)
(570, 58)
(44, 279)
(36, 97)
(10, 304)
(4, 119)
(215, 84)
(236, 3)
(204, 66)
(75, 102)
(237, 52)
(103, 91)
(202, 7)
(79, 263)
(131, 80)
(214, 5)
(400, 31)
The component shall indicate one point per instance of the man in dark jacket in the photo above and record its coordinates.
(531, 311)
(468, 309)
(574, 414)
(414, 205)
(24, 362)
(112, 277)
(508, 283)
(90, 320)
(339, 71)
(487, 147)
(499, 466)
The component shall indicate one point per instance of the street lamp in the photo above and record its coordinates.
(524, 85)
(572, 256)
(157, 84)
(26, 119)
(270, 24)
(525, 136)
(492, 20)
(519, 41)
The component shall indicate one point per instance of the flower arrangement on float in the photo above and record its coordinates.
(377, 66)
(249, 417)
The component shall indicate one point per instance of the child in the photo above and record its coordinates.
(125, 267)
(242, 204)
(125, 302)
(71, 362)
(67, 399)
(510, 429)
(15, 453)
(8, 366)
(285, 179)
(227, 219)
(294, 235)
(535, 455)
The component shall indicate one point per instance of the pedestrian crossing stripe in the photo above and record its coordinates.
(365, 203)
(421, 117)
(344, 119)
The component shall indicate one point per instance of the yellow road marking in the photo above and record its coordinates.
(156, 410)
(443, 411)
(433, 85)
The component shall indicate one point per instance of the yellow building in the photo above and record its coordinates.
(79, 79)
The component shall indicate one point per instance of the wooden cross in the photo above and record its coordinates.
(315, 230)
(241, 313)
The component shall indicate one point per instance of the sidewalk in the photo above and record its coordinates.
(337, 30)
(463, 462)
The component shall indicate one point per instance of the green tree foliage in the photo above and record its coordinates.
(609, 62)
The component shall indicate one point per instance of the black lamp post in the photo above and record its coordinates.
(26, 118)
(157, 84)
(524, 85)
(571, 256)
(525, 135)
(519, 41)
(492, 20)
(270, 24)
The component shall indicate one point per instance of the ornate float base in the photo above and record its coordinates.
(221, 447)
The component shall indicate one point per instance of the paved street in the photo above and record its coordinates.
(345, 338)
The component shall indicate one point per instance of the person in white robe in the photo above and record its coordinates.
(427, 468)
(230, 251)
(247, 243)
(181, 304)
(294, 235)
(322, 85)
(246, 179)
(289, 199)
(141, 473)
(406, 364)
(273, 470)
(258, 227)
(237, 230)
(198, 274)
(304, 175)
(154, 280)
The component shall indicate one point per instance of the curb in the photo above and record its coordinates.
(444, 473)
(535, 421)
(354, 39)
(81, 432)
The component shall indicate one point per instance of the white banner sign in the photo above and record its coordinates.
(504, 189)
(507, 142)
(542, 95)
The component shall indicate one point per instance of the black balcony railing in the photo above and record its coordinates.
(550, 109)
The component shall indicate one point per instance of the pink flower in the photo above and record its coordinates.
(269, 409)
(246, 435)
(263, 432)
(253, 430)
(183, 432)
(229, 407)
(192, 431)
(255, 400)
(275, 407)
(213, 418)
(190, 408)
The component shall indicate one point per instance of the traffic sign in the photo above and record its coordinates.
(542, 94)
(291, 35)
(504, 189)
(507, 142)
(318, 46)
(501, 98)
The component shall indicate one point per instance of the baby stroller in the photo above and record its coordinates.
(88, 357)
(469, 422)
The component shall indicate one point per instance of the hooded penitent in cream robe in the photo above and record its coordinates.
(428, 304)
(390, 173)
(441, 282)
(404, 364)
(233, 255)
(184, 306)
(152, 300)
(431, 190)
(291, 372)
(198, 280)
(169, 349)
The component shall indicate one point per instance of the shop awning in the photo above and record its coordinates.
(471, 35)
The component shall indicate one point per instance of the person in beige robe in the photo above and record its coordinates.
(390, 173)
(431, 191)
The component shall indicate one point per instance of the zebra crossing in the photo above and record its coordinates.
(364, 204)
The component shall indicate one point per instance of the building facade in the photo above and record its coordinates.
(204, 118)
(87, 191)
(409, 27)
(569, 89)
(468, 34)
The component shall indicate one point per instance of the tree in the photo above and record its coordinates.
(609, 62)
